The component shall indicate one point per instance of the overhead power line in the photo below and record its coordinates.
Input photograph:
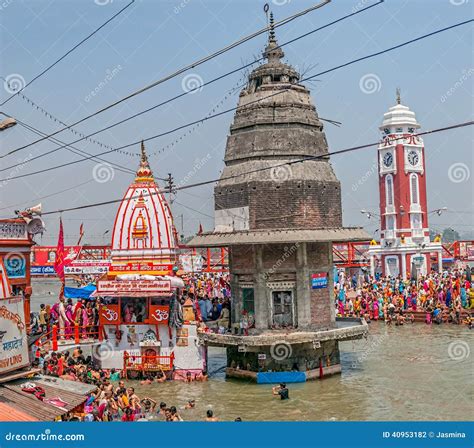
(68, 52)
(179, 72)
(292, 162)
(209, 117)
(70, 148)
(193, 90)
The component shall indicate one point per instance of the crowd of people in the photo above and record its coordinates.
(211, 293)
(111, 399)
(441, 297)
(66, 314)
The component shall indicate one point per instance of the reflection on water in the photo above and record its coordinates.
(413, 372)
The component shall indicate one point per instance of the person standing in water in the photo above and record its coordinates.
(282, 391)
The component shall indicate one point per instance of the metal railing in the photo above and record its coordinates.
(147, 363)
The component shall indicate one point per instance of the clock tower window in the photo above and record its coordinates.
(389, 189)
(414, 189)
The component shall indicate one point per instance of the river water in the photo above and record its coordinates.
(412, 372)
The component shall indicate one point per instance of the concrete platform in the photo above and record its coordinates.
(346, 330)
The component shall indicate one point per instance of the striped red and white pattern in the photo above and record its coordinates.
(5, 287)
(144, 204)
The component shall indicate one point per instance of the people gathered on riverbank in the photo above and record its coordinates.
(441, 298)
(112, 400)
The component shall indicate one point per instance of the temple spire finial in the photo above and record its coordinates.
(273, 53)
(271, 33)
(398, 92)
(144, 173)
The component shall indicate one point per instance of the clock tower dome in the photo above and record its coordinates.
(405, 242)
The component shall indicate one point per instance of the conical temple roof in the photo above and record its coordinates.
(144, 226)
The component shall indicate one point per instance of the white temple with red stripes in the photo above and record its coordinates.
(144, 236)
(143, 325)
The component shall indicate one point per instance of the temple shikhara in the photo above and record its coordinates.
(143, 325)
(405, 248)
(279, 220)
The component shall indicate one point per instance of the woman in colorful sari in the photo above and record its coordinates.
(69, 323)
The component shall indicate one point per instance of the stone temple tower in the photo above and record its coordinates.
(279, 220)
(275, 123)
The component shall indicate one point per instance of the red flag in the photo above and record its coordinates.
(81, 234)
(200, 229)
(60, 253)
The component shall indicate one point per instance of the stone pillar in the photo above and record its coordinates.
(303, 285)
(236, 302)
(372, 265)
(262, 307)
(330, 270)
(404, 266)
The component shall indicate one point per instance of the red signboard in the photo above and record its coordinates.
(109, 315)
(159, 314)
(105, 287)
(140, 266)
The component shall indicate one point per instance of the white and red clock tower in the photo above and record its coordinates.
(405, 245)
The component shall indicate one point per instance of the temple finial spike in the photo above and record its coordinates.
(398, 95)
(271, 34)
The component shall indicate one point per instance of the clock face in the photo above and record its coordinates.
(387, 159)
(413, 158)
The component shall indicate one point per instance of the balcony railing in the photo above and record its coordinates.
(417, 233)
(389, 234)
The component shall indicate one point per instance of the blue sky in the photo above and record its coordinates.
(155, 38)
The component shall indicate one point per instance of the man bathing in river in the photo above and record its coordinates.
(282, 391)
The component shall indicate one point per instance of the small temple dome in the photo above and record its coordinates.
(399, 116)
(144, 226)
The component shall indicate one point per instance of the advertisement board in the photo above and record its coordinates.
(13, 342)
(42, 270)
(105, 287)
(87, 267)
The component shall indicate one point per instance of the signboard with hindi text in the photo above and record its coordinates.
(105, 287)
(319, 280)
(87, 267)
(13, 341)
